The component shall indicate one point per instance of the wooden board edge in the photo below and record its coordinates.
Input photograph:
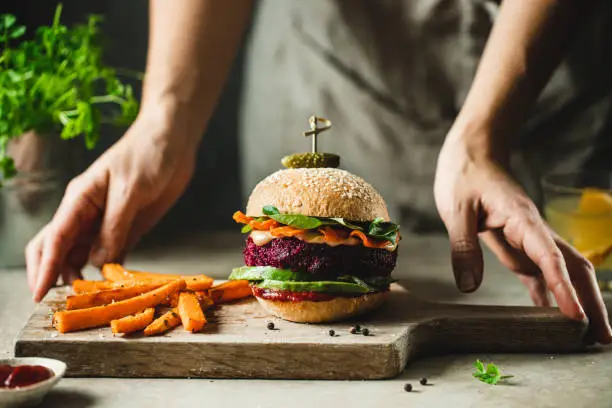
(380, 361)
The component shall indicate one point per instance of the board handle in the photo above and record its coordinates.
(507, 329)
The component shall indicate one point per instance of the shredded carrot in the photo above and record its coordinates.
(367, 241)
(286, 231)
(333, 234)
(163, 323)
(132, 323)
(72, 320)
(264, 225)
(240, 218)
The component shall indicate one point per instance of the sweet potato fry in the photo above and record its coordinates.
(83, 286)
(104, 297)
(72, 320)
(114, 272)
(205, 300)
(171, 300)
(191, 312)
(230, 290)
(132, 323)
(163, 323)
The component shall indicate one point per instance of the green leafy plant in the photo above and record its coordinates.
(489, 374)
(56, 83)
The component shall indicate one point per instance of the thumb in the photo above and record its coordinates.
(115, 228)
(466, 253)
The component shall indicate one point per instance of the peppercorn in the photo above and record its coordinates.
(423, 381)
(353, 330)
(408, 387)
(270, 326)
(365, 332)
(357, 327)
(332, 333)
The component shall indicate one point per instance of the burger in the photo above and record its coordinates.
(320, 246)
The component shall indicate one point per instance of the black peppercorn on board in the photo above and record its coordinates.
(240, 342)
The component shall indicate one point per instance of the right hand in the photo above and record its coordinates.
(109, 207)
(478, 198)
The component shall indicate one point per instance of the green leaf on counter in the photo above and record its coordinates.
(489, 374)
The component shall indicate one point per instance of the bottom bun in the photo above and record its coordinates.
(339, 308)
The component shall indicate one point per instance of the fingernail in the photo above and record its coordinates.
(99, 257)
(467, 283)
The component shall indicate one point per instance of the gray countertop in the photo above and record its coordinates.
(542, 380)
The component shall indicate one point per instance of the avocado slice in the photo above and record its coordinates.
(258, 273)
(269, 277)
(318, 286)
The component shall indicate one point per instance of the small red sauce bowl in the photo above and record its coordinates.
(30, 395)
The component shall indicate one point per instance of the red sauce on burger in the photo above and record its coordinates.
(289, 296)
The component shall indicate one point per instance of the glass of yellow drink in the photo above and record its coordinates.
(578, 206)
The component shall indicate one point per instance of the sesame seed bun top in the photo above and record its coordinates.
(318, 192)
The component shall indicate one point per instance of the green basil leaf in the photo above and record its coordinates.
(347, 224)
(297, 220)
(489, 375)
(492, 370)
(383, 230)
(270, 210)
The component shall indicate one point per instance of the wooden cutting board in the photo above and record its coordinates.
(237, 344)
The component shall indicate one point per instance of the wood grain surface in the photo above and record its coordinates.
(237, 344)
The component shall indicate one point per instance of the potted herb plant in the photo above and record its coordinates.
(55, 94)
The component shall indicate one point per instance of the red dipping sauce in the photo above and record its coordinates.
(23, 375)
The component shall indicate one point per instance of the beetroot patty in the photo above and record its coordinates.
(321, 259)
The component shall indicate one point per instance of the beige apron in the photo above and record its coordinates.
(391, 76)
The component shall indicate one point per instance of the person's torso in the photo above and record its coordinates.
(392, 75)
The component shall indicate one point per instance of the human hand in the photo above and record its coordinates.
(108, 208)
(476, 196)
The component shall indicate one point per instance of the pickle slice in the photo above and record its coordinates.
(311, 160)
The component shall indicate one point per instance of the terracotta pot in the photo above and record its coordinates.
(28, 201)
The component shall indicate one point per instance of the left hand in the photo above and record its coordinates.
(476, 196)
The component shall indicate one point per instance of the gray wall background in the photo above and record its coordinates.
(214, 193)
